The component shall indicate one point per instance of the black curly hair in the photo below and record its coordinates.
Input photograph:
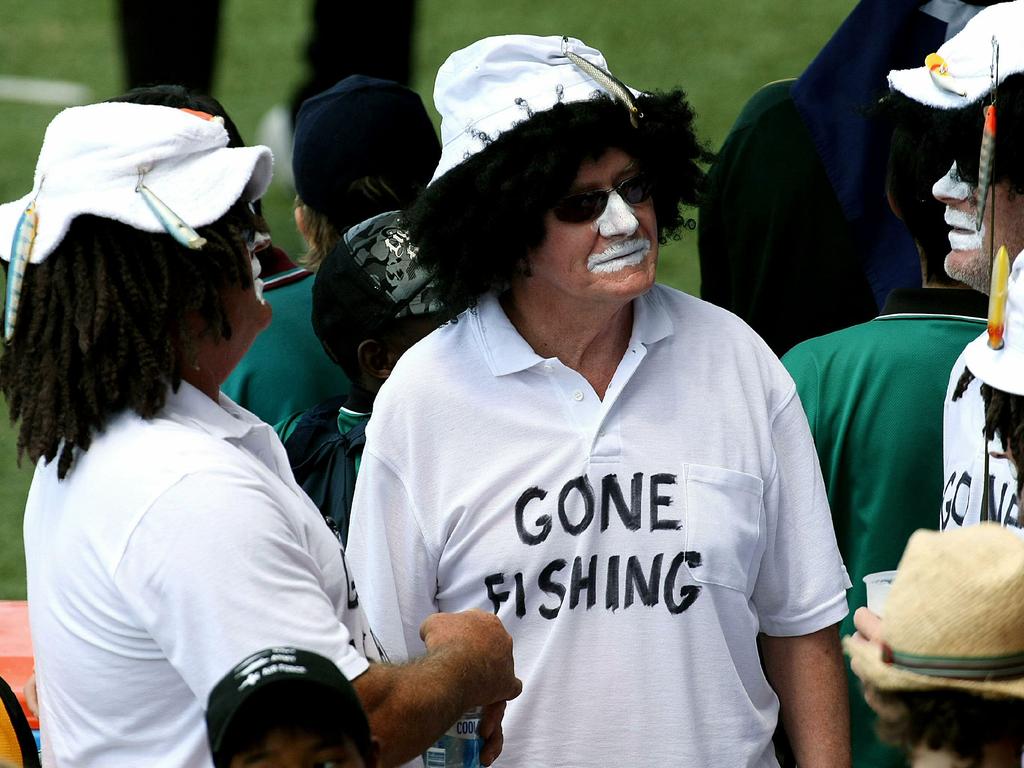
(476, 224)
(947, 720)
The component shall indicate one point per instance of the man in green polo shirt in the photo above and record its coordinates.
(874, 393)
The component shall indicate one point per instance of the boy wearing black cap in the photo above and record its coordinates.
(371, 301)
(288, 707)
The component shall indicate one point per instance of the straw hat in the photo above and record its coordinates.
(954, 618)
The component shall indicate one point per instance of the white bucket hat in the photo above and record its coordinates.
(1003, 368)
(92, 158)
(499, 82)
(968, 58)
(968, 635)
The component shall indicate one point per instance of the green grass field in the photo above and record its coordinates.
(721, 52)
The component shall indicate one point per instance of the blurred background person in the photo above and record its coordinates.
(152, 35)
(362, 147)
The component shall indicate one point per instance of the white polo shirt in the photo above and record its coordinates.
(173, 549)
(633, 546)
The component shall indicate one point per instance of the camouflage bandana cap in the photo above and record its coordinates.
(369, 279)
(381, 248)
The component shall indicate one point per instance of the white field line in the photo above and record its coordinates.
(34, 90)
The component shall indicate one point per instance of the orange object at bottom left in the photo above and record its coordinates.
(16, 662)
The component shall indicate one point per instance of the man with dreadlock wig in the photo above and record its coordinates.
(165, 535)
(622, 473)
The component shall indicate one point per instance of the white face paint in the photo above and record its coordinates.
(257, 284)
(962, 236)
(617, 219)
(619, 255)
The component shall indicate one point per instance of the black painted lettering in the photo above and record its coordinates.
(963, 482)
(657, 500)
(544, 521)
(1012, 516)
(496, 598)
(946, 505)
(582, 487)
(520, 597)
(995, 512)
(611, 493)
(580, 583)
(1005, 512)
(687, 593)
(611, 592)
(545, 582)
(635, 580)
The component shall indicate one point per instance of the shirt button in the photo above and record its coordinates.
(577, 395)
(548, 366)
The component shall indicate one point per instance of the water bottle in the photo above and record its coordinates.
(460, 745)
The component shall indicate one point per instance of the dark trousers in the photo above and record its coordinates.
(177, 43)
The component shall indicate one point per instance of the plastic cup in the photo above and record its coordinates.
(878, 585)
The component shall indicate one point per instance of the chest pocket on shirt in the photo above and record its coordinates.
(723, 524)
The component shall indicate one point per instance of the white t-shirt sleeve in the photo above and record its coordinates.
(801, 586)
(216, 570)
(390, 559)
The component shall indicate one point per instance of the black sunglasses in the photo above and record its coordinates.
(587, 206)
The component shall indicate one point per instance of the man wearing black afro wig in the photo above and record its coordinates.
(622, 473)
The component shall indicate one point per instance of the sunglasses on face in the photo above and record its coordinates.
(587, 206)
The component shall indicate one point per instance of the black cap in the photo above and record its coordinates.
(371, 277)
(362, 126)
(290, 676)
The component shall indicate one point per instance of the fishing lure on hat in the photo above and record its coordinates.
(21, 252)
(172, 223)
(938, 68)
(986, 161)
(606, 80)
(1000, 260)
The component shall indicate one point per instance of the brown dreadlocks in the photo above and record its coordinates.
(104, 326)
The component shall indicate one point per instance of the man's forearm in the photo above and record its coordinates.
(410, 705)
(808, 676)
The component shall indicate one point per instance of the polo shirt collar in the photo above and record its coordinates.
(507, 352)
(223, 419)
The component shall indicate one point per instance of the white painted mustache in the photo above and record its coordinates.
(968, 240)
(257, 284)
(625, 253)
